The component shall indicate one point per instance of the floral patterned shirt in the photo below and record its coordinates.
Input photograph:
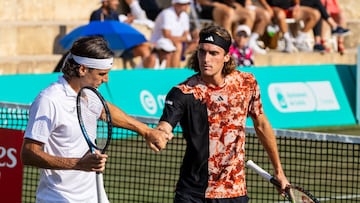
(213, 121)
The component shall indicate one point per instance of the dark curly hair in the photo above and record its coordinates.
(193, 62)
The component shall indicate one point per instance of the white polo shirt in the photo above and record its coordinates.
(168, 20)
(53, 121)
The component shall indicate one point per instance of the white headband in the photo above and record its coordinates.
(102, 64)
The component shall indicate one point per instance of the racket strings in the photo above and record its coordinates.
(88, 118)
(299, 196)
(102, 134)
(91, 110)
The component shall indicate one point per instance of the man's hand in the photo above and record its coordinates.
(284, 183)
(92, 162)
(157, 139)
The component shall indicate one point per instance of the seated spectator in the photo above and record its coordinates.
(134, 13)
(245, 14)
(222, 14)
(335, 12)
(174, 23)
(239, 49)
(159, 55)
(261, 19)
(151, 8)
(335, 28)
(148, 8)
(237, 12)
(280, 10)
(107, 11)
(242, 15)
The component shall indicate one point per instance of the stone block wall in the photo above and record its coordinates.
(30, 29)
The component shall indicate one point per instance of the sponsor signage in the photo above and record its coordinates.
(11, 169)
(296, 97)
(293, 96)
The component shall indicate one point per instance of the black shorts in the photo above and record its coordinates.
(206, 12)
(127, 54)
(181, 197)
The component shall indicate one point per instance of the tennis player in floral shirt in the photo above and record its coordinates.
(211, 107)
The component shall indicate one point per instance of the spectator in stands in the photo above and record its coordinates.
(239, 49)
(159, 55)
(241, 16)
(174, 23)
(53, 140)
(212, 107)
(107, 11)
(241, 13)
(332, 7)
(335, 28)
(134, 13)
(261, 19)
(248, 15)
(220, 13)
(280, 10)
(136, 10)
(149, 7)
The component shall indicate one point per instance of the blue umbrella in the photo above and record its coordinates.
(120, 36)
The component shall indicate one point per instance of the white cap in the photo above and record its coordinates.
(243, 28)
(165, 44)
(180, 1)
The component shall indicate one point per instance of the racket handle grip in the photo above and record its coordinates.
(102, 197)
(262, 173)
(258, 170)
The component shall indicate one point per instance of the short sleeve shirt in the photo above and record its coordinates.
(213, 121)
(53, 121)
(243, 56)
(169, 20)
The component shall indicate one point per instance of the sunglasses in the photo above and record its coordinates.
(241, 34)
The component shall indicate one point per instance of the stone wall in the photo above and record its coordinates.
(46, 10)
(30, 29)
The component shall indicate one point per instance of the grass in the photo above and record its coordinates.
(135, 174)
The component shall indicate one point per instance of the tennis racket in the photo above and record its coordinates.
(95, 123)
(295, 194)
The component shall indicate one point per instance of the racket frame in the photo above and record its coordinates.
(251, 164)
(91, 145)
(101, 194)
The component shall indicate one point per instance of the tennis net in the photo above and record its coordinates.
(327, 165)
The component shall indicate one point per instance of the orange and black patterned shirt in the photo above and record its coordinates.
(213, 122)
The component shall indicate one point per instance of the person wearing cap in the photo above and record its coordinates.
(239, 49)
(212, 107)
(174, 23)
(53, 140)
(159, 55)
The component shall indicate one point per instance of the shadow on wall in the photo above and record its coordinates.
(58, 49)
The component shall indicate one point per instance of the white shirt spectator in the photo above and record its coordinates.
(168, 20)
